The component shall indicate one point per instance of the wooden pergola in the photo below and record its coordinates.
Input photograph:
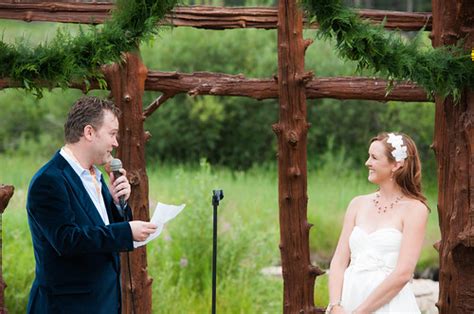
(453, 142)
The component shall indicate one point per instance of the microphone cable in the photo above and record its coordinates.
(129, 268)
(131, 283)
(115, 166)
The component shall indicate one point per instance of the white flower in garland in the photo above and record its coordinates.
(400, 151)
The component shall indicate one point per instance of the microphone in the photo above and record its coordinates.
(115, 166)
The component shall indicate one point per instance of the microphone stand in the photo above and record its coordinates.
(217, 195)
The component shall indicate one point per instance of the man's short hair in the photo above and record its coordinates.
(87, 110)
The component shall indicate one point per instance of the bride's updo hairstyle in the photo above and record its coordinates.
(408, 176)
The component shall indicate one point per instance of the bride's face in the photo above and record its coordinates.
(380, 167)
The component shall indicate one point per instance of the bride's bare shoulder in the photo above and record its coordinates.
(414, 214)
(415, 207)
(362, 199)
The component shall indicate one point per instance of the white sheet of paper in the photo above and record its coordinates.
(162, 214)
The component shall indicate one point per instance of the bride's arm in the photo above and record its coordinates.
(341, 256)
(414, 225)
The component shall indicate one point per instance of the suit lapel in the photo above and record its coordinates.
(80, 191)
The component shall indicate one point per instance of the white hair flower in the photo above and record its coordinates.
(399, 151)
(395, 140)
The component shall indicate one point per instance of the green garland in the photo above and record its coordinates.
(444, 71)
(66, 59)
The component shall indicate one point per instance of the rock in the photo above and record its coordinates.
(426, 292)
(429, 273)
(273, 271)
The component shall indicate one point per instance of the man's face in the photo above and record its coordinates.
(105, 139)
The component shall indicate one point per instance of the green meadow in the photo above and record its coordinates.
(179, 261)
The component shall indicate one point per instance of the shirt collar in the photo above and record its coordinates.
(76, 166)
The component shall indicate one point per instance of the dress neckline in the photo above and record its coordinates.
(378, 230)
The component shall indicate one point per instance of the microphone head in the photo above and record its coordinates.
(115, 164)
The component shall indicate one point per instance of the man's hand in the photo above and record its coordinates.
(141, 229)
(119, 186)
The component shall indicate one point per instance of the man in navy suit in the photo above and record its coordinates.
(76, 222)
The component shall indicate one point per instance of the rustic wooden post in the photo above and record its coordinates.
(127, 85)
(6, 193)
(454, 149)
(292, 128)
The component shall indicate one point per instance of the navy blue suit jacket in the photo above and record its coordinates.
(77, 259)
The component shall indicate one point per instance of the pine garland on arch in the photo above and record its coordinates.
(444, 71)
(66, 58)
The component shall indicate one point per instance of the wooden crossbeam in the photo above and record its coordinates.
(50, 11)
(206, 83)
(206, 17)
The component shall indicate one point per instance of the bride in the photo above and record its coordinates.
(382, 235)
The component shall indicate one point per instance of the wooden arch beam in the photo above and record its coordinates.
(205, 83)
(206, 17)
(217, 84)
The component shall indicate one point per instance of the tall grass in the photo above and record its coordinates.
(180, 259)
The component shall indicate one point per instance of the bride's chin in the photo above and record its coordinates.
(371, 179)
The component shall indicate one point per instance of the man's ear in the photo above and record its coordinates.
(88, 132)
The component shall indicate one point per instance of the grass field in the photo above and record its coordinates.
(180, 260)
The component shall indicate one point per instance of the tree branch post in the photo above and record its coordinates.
(454, 149)
(291, 130)
(127, 85)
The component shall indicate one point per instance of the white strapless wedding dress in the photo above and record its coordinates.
(373, 257)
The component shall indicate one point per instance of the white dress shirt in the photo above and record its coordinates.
(87, 181)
